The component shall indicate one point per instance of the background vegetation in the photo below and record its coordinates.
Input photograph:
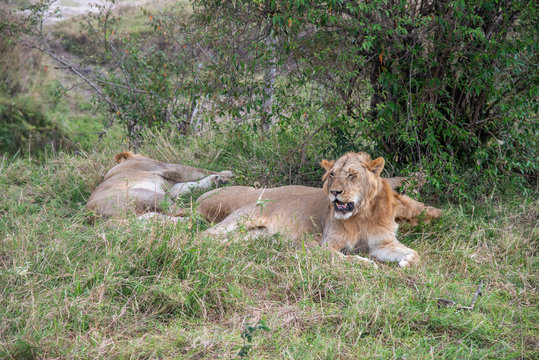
(267, 89)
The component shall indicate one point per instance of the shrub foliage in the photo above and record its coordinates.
(448, 88)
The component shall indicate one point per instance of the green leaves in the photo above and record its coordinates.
(247, 336)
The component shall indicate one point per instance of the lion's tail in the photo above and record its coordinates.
(126, 155)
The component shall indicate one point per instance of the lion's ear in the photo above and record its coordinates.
(126, 155)
(376, 166)
(327, 164)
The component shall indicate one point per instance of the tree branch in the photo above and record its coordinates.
(448, 303)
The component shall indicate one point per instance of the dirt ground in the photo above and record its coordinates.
(72, 8)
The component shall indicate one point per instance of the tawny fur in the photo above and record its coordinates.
(298, 210)
(143, 185)
(126, 155)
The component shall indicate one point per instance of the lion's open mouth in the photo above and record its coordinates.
(343, 207)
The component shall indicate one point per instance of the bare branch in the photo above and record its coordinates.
(449, 303)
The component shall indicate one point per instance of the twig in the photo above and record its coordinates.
(133, 89)
(448, 303)
(477, 293)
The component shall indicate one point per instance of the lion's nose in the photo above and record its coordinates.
(335, 192)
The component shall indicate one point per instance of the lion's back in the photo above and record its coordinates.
(285, 208)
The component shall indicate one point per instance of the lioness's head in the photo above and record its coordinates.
(351, 182)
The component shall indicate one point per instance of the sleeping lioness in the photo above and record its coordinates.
(355, 210)
(145, 185)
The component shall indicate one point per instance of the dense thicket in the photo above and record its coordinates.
(448, 87)
(443, 82)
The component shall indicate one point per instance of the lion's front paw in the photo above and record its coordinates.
(222, 178)
(408, 260)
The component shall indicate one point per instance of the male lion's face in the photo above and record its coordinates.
(352, 182)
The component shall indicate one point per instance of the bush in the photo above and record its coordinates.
(447, 88)
(24, 124)
(25, 128)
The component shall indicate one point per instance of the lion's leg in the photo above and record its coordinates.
(395, 251)
(242, 216)
(408, 209)
(357, 258)
(150, 215)
(183, 173)
(395, 182)
(146, 200)
(207, 182)
(337, 248)
(338, 244)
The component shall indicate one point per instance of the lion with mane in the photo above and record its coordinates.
(355, 211)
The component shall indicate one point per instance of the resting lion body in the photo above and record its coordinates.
(144, 185)
(356, 210)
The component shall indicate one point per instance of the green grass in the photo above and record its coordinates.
(70, 288)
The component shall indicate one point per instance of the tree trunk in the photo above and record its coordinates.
(268, 121)
(376, 96)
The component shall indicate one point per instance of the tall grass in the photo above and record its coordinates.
(72, 288)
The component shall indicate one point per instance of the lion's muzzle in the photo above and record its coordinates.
(342, 207)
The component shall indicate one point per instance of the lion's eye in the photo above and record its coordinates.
(352, 175)
(331, 174)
